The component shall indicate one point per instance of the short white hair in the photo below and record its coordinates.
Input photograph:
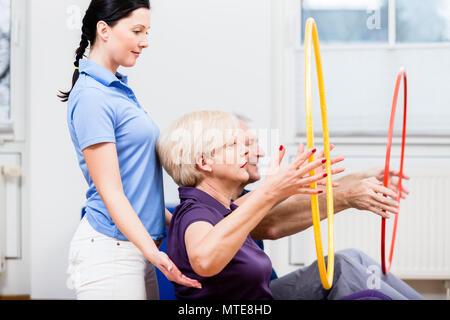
(194, 134)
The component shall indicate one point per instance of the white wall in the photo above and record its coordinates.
(205, 55)
(359, 86)
(202, 55)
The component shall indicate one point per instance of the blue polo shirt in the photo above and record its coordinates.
(245, 277)
(102, 108)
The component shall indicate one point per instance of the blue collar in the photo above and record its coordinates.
(101, 74)
(205, 199)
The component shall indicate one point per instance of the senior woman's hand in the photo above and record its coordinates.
(322, 169)
(287, 180)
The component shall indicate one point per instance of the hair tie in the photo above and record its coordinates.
(76, 68)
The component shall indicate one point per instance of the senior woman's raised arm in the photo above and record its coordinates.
(210, 248)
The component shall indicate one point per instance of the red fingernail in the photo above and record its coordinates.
(320, 191)
(281, 147)
(325, 174)
(324, 160)
(314, 150)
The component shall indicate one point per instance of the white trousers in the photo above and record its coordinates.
(104, 268)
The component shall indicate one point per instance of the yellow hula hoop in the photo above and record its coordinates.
(326, 275)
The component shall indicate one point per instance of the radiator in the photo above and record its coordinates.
(422, 249)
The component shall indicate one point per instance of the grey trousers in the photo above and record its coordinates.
(353, 271)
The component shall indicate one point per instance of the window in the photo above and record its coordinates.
(350, 21)
(422, 21)
(13, 69)
(5, 30)
(379, 21)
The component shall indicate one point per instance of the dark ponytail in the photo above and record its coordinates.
(109, 11)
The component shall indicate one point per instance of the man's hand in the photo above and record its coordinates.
(365, 191)
(368, 194)
(378, 173)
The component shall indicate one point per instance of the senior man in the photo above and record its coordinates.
(363, 191)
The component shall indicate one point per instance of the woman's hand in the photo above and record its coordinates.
(285, 181)
(170, 270)
(323, 169)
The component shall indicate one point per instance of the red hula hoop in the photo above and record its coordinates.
(402, 74)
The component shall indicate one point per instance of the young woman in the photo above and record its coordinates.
(115, 247)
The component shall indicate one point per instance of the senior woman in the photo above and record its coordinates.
(208, 236)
